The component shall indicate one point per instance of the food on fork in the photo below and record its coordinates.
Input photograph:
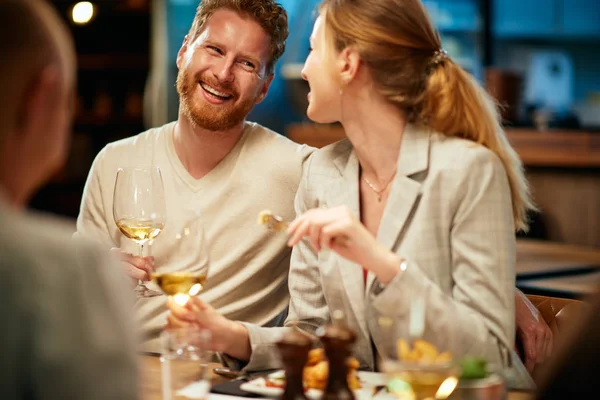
(271, 221)
(276, 224)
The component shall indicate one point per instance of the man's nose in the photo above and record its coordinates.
(224, 70)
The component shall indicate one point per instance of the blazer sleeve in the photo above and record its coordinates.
(308, 308)
(477, 318)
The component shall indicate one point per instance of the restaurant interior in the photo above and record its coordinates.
(538, 58)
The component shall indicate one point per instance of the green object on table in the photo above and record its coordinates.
(473, 368)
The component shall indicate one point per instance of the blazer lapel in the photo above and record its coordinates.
(345, 191)
(405, 191)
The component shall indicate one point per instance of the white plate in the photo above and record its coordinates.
(368, 381)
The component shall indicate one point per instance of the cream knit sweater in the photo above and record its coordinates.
(249, 265)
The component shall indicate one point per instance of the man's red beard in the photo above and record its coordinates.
(211, 116)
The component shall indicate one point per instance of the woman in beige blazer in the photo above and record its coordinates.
(425, 192)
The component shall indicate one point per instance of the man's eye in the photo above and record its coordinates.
(215, 49)
(247, 64)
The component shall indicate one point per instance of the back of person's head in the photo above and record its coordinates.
(37, 79)
(270, 15)
(398, 43)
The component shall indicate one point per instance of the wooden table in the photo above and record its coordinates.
(543, 259)
(151, 382)
(150, 385)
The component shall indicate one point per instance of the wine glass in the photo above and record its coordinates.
(139, 210)
(186, 272)
(416, 368)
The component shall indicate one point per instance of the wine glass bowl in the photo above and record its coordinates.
(188, 266)
(139, 210)
(416, 368)
(180, 282)
(413, 380)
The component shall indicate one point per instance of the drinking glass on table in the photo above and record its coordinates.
(139, 210)
(184, 363)
(187, 266)
(416, 368)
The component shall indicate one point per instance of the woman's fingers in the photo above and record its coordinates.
(297, 234)
(175, 323)
(180, 312)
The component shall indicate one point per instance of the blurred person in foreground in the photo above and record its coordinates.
(213, 161)
(426, 193)
(65, 333)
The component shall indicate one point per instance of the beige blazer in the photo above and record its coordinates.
(449, 214)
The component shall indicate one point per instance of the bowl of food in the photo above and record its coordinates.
(477, 383)
(420, 371)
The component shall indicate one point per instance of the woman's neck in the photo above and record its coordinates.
(375, 129)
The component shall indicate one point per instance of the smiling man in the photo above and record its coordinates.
(213, 161)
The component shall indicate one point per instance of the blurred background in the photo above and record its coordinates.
(539, 58)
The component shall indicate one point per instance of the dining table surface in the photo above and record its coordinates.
(538, 262)
(151, 389)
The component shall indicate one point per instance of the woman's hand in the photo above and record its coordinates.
(535, 335)
(227, 336)
(339, 230)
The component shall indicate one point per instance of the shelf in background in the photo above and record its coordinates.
(556, 148)
(112, 61)
(577, 149)
(92, 121)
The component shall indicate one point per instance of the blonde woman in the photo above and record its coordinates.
(425, 191)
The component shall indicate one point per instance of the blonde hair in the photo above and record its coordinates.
(397, 42)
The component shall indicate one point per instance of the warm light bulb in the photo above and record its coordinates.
(83, 12)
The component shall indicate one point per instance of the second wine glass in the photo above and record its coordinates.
(139, 210)
(188, 261)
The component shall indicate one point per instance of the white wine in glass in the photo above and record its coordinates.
(139, 210)
(180, 285)
(190, 268)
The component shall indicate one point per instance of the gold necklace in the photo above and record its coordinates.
(379, 192)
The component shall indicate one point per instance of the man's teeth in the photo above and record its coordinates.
(214, 91)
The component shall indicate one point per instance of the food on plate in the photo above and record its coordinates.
(422, 352)
(473, 368)
(316, 373)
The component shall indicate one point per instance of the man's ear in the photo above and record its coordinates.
(265, 89)
(182, 51)
(348, 63)
(40, 101)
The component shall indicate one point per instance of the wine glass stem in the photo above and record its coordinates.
(141, 246)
